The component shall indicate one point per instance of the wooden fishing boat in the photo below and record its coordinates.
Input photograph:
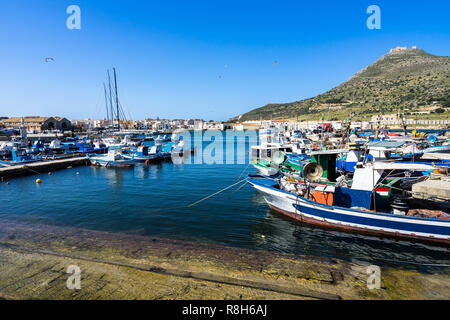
(358, 208)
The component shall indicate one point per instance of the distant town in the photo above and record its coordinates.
(39, 124)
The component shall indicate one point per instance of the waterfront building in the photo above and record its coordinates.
(38, 124)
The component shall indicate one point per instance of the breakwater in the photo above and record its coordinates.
(41, 167)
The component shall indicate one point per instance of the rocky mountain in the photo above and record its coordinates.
(404, 80)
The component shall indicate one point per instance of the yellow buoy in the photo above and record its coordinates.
(38, 181)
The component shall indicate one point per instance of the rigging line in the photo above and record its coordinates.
(216, 193)
(123, 110)
(98, 108)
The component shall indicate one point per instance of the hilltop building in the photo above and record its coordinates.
(401, 49)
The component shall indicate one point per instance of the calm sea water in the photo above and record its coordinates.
(152, 201)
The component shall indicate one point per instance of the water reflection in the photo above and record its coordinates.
(285, 235)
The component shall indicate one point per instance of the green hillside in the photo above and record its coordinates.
(406, 80)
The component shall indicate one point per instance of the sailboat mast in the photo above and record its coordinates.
(106, 103)
(117, 99)
(110, 101)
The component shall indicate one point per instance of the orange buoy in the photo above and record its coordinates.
(147, 162)
(38, 181)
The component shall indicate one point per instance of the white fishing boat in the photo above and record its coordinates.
(113, 158)
(270, 153)
(261, 158)
(443, 148)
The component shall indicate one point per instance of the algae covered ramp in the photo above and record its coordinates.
(35, 258)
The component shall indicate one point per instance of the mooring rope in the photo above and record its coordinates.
(243, 171)
(239, 187)
(26, 167)
(205, 198)
(216, 193)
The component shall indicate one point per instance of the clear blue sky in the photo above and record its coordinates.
(197, 59)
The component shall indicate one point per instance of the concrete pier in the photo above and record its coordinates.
(34, 260)
(41, 167)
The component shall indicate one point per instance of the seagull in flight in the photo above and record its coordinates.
(49, 59)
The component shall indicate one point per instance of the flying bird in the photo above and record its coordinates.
(275, 63)
(49, 59)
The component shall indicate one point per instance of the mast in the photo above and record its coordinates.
(117, 99)
(380, 118)
(347, 129)
(403, 118)
(110, 101)
(106, 103)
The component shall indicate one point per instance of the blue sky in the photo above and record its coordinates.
(197, 59)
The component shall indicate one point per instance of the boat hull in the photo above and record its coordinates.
(438, 149)
(140, 158)
(106, 163)
(436, 231)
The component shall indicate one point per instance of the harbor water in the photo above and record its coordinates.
(154, 201)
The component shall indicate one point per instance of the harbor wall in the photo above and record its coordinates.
(41, 167)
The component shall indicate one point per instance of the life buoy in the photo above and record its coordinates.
(147, 162)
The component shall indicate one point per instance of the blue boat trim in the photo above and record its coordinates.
(325, 206)
(378, 222)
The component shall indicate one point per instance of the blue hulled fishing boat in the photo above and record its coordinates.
(142, 153)
(422, 214)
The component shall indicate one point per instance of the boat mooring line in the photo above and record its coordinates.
(26, 167)
(243, 171)
(216, 193)
(210, 196)
(240, 187)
